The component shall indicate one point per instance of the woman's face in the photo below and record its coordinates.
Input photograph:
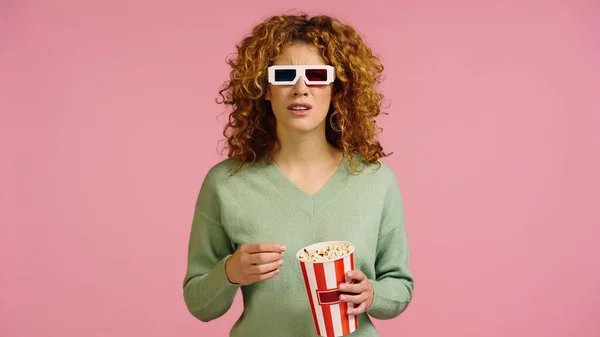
(317, 98)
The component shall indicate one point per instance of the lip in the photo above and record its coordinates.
(299, 112)
(293, 105)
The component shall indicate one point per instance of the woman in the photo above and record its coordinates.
(303, 167)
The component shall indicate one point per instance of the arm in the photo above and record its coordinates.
(207, 291)
(393, 286)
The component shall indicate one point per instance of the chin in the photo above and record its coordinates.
(302, 126)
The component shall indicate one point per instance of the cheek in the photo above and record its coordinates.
(277, 94)
(324, 96)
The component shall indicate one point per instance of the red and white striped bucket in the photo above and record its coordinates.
(322, 280)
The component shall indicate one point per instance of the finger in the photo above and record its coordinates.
(266, 276)
(356, 299)
(253, 248)
(356, 275)
(265, 268)
(352, 288)
(357, 310)
(259, 258)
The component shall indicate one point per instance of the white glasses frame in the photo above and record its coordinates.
(301, 71)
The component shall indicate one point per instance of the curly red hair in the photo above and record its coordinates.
(351, 127)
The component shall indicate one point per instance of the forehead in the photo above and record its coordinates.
(299, 54)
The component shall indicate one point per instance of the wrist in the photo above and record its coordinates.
(228, 272)
(372, 297)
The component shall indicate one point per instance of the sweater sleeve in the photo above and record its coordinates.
(393, 285)
(207, 291)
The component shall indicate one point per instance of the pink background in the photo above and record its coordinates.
(108, 125)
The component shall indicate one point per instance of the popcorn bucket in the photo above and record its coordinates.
(322, 276)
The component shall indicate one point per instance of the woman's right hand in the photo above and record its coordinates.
(254, 262)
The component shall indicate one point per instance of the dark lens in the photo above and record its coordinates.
(316, 74)
(285, 75)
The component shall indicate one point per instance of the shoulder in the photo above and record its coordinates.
(228, 171)
(221, 170)
(221, 184)
(220, 173)
(372, 180)
(214, 182)
(380, 171)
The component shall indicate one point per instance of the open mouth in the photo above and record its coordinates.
(299, 108)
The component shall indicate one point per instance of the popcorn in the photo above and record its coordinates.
(327, 252)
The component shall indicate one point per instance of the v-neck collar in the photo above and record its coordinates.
(298, 197)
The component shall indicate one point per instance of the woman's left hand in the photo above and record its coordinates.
(360, 292)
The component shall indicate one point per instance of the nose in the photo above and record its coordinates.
(300, 88)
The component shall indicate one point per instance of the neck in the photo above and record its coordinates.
(304, 150)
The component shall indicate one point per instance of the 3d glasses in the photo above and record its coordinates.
(312, 74)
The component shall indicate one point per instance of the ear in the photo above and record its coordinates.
(268, 94)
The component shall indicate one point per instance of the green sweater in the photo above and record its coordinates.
(259, 204)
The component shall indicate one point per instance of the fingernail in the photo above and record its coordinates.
(342, 286)
(342, 298)
(349, 274)
(280, 262)
(282, 247)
